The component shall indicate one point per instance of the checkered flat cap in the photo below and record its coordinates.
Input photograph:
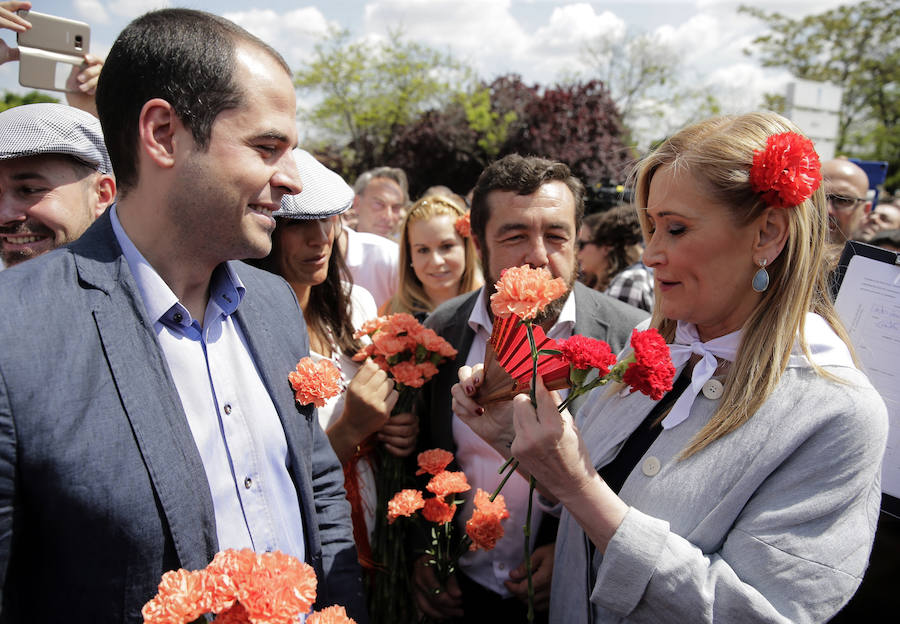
(324, 192)
(35, 129)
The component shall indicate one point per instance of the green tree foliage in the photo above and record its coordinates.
(369, 90)
(577, 124)
(856, 47)
(11, 99)
(644, 76)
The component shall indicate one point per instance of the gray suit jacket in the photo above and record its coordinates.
(771, 523)
(102, 488)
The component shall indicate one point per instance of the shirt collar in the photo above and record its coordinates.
(479, 319)
(225, 288)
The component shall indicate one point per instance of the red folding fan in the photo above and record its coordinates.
(507, 362)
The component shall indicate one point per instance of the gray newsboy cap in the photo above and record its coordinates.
(36, 129)
(324, 193)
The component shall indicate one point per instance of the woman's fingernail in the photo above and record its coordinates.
(479, 410)
(470, 389)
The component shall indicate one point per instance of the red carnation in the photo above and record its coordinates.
(787, 172)
(652, 371)
(585, 353)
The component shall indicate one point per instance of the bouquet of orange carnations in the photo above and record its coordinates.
(241, 587)
(410, 354)
(483, 529)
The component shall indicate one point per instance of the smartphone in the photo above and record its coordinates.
(49, 50)
(55, 34)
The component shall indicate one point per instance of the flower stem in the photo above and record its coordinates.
(513, 464)
(531, 484)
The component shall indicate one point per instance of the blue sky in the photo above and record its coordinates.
(540, 39)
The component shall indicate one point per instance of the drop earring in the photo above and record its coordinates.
(761, 277)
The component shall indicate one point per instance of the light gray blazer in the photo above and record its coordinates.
(772, 523)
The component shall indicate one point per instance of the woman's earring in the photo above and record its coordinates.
(761, 277)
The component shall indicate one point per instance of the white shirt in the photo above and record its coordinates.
(372, 261)
(480, 463)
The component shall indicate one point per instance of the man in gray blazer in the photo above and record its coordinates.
(146, 419)
(524, 211)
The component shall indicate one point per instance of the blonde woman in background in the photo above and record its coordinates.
(437, 263)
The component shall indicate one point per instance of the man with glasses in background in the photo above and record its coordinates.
(846, 189)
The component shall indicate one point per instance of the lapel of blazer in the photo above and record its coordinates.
(148, 394)
(460, 335)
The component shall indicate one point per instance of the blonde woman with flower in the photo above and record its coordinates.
(750, 491)
(437, 257)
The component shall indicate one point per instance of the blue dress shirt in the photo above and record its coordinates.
(230, 413)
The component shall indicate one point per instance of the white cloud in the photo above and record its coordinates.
(480, 32)
(91, 11)
(293, 34)
(132, 8)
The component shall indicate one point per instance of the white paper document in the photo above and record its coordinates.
(869, 305)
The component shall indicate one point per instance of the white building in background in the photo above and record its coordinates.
(815, 107)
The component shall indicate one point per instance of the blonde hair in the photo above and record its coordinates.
(718, 153)
(411, 296)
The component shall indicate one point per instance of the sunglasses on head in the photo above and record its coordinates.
(842, 202)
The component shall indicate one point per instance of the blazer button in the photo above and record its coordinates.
(713, 389)
(650, 467)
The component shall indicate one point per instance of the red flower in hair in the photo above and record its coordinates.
(787, 171)
(652, 371)
(464, 225)
(585, 353)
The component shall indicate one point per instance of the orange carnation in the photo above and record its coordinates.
(433, 461)
(524, 291)
(408, 374)
(446, 482)
(485, 526)
(334, 614)
(315, 382)
(181, 597)
(437, 511)
(434, 343)
(405, 503)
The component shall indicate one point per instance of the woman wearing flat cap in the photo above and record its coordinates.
(305, 253)
(750, 492)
